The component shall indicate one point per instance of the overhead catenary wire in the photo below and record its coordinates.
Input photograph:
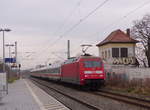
(83, 19)
(128, 14)
(79, 22)
(123, 17)
(68, 17)
(63, 24)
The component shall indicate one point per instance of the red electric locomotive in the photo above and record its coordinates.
(84, 71)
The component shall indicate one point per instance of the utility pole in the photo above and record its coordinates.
(68, 49)
(3, 51)
(16, 51)
(16, 57)
(4, 70)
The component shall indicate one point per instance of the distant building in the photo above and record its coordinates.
(1, 61)
(118, 48)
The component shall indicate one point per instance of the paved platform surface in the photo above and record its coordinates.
(24, 95)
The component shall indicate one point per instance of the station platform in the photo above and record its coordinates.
(24, 95)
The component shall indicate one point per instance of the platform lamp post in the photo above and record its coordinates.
(3, 31)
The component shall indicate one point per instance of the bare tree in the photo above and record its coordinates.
(140, 55)
(141, 32)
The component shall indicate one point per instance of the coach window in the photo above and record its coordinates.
(124, 52)
(115, 52)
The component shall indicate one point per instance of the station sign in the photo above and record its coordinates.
(10, 60)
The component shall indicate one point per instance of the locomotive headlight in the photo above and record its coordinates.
(88, 72)
(99, 72)
(101, 75)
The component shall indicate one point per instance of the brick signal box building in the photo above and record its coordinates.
(118, 54)
(118, 48)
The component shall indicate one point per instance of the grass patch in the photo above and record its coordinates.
(131, 90)
(11, 80)
(134, 86)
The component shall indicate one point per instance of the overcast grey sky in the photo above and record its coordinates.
(37, 24)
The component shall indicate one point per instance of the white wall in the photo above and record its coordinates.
(129, 72)
(138, 73)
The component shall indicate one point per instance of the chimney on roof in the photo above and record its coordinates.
(128, 32)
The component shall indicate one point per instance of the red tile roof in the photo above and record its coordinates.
(117, 36)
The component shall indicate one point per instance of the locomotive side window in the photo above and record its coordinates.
(89, 64)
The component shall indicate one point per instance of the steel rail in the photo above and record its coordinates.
(124, 98)
(46, 86)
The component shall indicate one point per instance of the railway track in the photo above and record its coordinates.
(46, 87)
(105, 93)
(124, 98)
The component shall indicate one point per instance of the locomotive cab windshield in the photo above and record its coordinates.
(92, 64)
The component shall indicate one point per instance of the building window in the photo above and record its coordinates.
(102, 54)
(124, 52)
(115, 52)
(105, 54)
